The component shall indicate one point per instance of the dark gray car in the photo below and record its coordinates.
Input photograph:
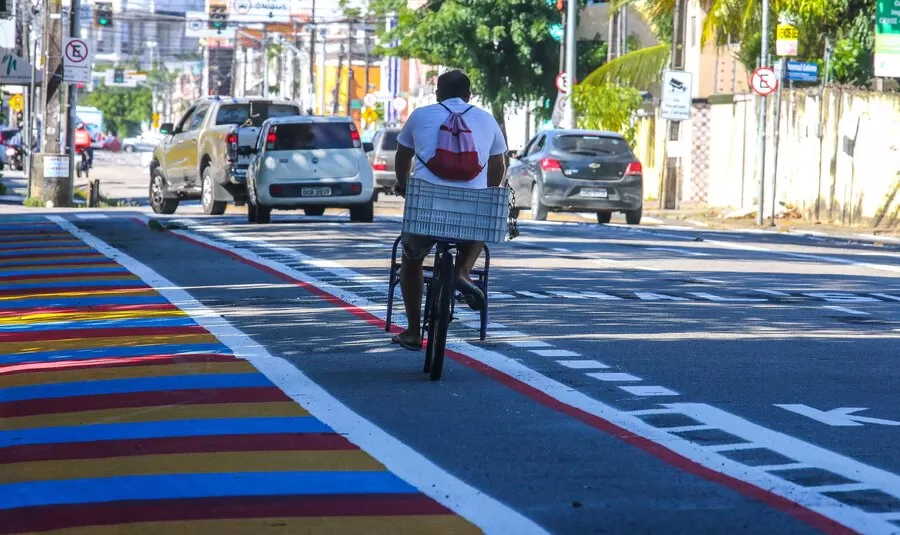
(578, 171)
(384, 144)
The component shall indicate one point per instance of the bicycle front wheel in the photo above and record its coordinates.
(440, 318)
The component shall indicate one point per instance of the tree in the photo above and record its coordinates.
(503, 45)
(124, 108)
(607, 107)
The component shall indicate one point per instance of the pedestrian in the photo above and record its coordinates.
(479, 166)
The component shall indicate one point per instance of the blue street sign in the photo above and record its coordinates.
(802, 71)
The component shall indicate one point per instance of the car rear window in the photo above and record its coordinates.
(309, 136)
(591, 144)
(237, 114)
(389, 142)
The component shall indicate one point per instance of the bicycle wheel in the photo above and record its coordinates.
(428, 325)
(440, 320)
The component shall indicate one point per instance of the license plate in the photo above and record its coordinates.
(315, 192)
(594, 192)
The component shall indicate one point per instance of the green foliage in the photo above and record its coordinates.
(641, 69)
(851, 63)
(607, 107)
(124, 108)
(33, 202)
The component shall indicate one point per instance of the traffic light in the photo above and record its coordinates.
(20, 119)
(103, 14)
(118, 76)
(218, 18)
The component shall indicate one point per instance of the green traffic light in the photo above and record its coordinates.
(104, 21)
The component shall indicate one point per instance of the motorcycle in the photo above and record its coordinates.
(15, 158)
(82, 166)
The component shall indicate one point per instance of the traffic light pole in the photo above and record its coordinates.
(74, 27)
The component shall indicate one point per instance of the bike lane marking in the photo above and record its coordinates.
(129, 428)
(692, 455)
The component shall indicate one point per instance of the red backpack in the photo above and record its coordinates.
(456, 158)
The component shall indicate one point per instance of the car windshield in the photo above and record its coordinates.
(237, 114)
(389, 142)
(591, 144)
(308, 136)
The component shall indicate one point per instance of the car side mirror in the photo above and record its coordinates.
(166, 129)
(368, 147)
(246, 150)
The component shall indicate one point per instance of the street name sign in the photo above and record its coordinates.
(887, 38)
(677, 96)
(802, 71)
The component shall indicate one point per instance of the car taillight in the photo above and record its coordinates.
(634, 168)
(354, 135)
(550, 164)
(271, 138)
(379, 165)
(232, 139)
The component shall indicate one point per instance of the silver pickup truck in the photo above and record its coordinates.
(199, 158)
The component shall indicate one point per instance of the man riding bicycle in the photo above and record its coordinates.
(419, 140)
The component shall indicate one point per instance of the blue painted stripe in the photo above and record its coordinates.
(28, 225)
(39, 243)
(80, 283)
(83, 301)
(60, 251)
(163, 429)
(187, 486)
(136, 384)
(80, 259)
(114, 352)
(99, 324)
(73, 270)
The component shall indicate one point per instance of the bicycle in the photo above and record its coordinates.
(438, 304)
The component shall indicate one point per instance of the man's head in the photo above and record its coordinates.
(453, 84)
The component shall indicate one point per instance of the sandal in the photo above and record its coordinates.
(396, 339)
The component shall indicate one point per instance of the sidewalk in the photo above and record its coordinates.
(121, 414)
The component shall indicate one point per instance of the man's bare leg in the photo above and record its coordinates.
(412, 283)
(468, 256)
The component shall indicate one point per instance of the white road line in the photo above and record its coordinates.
(569, 295)
(558, 353)
(718, 299)
(737, 446)
(561, 250)
(706, 456)
(528, 343)
(887, 296)
(773, 292)
(785, 466)
(847, 310)
(500, 295)
(890, 516)
(806, 256)
(602, 296)
(652, 412)
(614, 377)
(844, 487)
(679, 251)
(489, 514)
(649, 390)
(651, 296)
(91, 216)
(687, 428)
(582, 364)
(532, 294)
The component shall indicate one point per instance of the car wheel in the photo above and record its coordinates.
(207, 198)
(263, 215)
(363, 213)
(538, 209)
(158, 200)
(314, 211)
(128, 148)
(633, 217)
(251, 213)
(604, 217)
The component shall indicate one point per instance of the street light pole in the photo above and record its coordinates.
(571, 15)
(761, 148)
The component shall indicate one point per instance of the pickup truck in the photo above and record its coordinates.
(198, 157)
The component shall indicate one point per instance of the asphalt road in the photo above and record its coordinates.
(634, 380)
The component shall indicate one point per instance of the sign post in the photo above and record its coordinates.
(677, 96)
(887, 38)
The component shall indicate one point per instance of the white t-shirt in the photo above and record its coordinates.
(420, 133)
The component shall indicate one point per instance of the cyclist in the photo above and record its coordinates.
(83, 143)
(418, 139)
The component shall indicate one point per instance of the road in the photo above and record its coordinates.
(633, 380)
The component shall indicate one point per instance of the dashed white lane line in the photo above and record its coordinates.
(614, 377)
(528, 343)
(785, 466)
(532, 294)
(652, 412)
(679, 251)
(650, 390)
(773, 292)
(554, 353)
(91, 216)
(687, 428)
(847, 310)
(582, 364)
(888, 297)
(845, 487)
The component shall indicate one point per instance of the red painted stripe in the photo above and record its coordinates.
(36, 245)
(106, 514)
(776, 501)
(171, 445)
(39, 276)
(149, 360)
(25, 237)
(100, 262)
(12, 409)
(93, 308)
(137, 285)
(42, 336)
(94, 258)
(73, 254)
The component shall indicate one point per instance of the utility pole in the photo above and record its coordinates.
(265, 58)
(312, 58)
(761, 149)
(336, 95)
(571, 23)
(74, 28)
(53, 188)
(34, 23)
(349, 67)
(368, 56)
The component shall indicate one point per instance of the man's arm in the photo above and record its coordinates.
(403, 165)
(496, 170)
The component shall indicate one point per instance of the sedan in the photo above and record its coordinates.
(578, 171)
(145, 142)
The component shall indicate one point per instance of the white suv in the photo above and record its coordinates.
(311, 163)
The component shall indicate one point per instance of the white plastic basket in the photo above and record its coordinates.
(456, 213)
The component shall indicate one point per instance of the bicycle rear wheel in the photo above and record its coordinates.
(442, 288)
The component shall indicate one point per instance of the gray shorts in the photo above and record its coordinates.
(416, 247)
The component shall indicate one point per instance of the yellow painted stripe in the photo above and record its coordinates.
(71, 278)
(342, 525)
(227, 462)
(156, 414)
(50, 249)
(16, 348)
(45, 317)
(63, 257)
(49, 267)
(123, 372)
(25, 294)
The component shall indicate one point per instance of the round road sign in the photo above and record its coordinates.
(562, 82)
(17, 103)
(399, 104)
(242, 7)
(370, 100)
(76, 52)
(764, 81)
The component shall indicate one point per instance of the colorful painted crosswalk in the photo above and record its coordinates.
(120, 414)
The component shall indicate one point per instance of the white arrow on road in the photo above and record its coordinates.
(839, 417)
